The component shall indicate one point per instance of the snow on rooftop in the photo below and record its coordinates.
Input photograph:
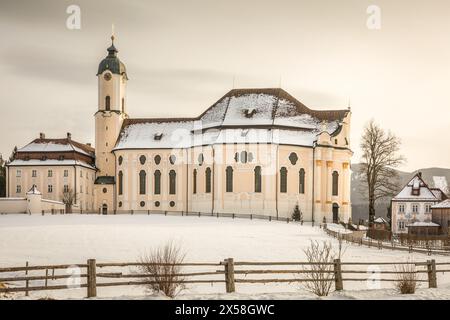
(49, 162)
(442, 205)
(261, 104)
(46, 147)
(422, 224)
(425, 193)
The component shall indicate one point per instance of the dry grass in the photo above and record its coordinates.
(162, 269)
(406, 278)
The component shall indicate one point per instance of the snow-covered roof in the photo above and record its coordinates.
(34, 190)
(423, 193)
(57, 145)
(442, 205)
(241, 116)
(380, 220)
(49, 162)
(422, 224)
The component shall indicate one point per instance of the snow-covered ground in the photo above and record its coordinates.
(67, 239)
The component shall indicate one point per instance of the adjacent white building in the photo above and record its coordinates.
(412, 206)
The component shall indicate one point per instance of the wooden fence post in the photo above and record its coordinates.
(431, 268)
(338, 275)
(27, 283)
(229, 275)
(91, 279)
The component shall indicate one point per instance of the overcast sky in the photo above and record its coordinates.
(181, 56)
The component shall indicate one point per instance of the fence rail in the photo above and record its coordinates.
(230, 275)
(371, 243)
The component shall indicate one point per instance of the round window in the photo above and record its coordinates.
(201, 158)
(172, 203)
(157, 204)
(142, 204)
(142, 159)
(157, 159)
(105, 190)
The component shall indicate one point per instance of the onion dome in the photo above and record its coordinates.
(111, 62)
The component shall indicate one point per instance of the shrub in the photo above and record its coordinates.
(406, 278)
(161, 265)
(320, 274)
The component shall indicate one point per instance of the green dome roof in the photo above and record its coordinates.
(112, 62)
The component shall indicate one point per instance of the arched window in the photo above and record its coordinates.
(172, 182)
(120, 182)
(283, 180)
(157, 159)
(142, 159)
(208, 180)
(229, 179)
(258, 179)
(301, 181)
(335, 188)
(107, 103)
(157, 180)
(142, 181)
(194, 181)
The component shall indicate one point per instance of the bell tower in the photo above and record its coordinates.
(111, 112)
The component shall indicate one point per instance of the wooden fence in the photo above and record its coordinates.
(230, 273)
(428, 247)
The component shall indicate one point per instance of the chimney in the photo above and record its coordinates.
(41, 135)
(69, 135)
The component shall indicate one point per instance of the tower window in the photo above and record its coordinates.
(108, 103)
(335, 185)
(123, 105)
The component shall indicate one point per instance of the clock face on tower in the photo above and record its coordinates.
(107, 76)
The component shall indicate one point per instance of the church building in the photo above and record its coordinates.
(253, 151)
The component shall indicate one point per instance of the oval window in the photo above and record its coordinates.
(157, 159)
(172, 203)
(293, 158)
(172, 159)
(120, 160)
(142, 204)
(105, 190)
(142, 159)
(120, 204)
(157, 204)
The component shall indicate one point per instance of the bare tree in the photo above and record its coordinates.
(379, 158)
(68, 198)
(319, 273)
(162, 267)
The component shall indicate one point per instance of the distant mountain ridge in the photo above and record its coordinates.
(434, 177)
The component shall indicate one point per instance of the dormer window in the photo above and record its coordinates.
(43, 158)
(27, 158)
(61, 158)
(250, 112)
(158, 136)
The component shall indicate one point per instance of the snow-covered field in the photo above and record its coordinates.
(69, 239)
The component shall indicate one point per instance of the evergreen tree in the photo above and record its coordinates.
(297, 214)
